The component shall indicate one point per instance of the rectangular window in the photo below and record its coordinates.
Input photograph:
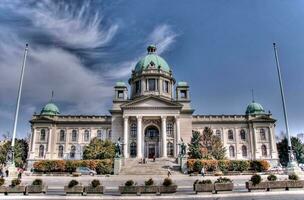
(151, 84)
(166, 86)
(120, 94)
(137, 87)
(183, 94)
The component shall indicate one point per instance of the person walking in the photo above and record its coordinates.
(6, 172)
(203, 171)
(169, 172)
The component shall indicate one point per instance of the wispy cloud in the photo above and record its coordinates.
(76, 26)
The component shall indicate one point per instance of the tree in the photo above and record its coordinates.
(195, 146)
(213, 144)
(99, 149)
(298, 150)
(21, 151)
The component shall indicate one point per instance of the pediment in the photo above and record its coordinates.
(151, 102)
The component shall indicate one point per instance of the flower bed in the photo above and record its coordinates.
(73, 188)
(94, 188)
(203, 186)
(223, 184)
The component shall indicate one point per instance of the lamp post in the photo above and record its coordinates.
(12, 168)
(292, 162)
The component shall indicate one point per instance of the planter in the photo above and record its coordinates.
(2, 189)
(203, 188)
(294, 184)
(128, 189)
(167, 189)
(16, 189)
(276, 185)
(223, 187)
(78, 189)
(148, 189)
(260, 186)
(94, 190)
(36, 189)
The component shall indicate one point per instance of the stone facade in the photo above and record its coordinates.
(150, 121)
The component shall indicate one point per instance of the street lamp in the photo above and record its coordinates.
(292, 166)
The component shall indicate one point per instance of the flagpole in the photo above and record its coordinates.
(292, 161)
(18, 105)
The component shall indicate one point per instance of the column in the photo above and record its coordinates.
(236, 133)
(49, 150)
(164, 134)
(125, 139)
(67, 137)
(139, 137)
(33, 140)
(177, 139)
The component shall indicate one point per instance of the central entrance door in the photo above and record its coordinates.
(151, 142)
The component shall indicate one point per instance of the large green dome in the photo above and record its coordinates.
(50, 109)
(152, 58)
(255, 108)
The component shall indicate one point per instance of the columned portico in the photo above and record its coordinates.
(139, 137)
(126, 126)
(164, 136)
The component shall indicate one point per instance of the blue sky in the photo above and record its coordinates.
(223, 49)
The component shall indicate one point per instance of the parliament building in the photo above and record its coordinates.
(149, 117)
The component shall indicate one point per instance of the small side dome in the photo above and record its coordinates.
(50, 109)
(120, 84)
(182, 83)
(254, 108)
(152, 59)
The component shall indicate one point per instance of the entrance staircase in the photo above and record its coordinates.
(133, 166)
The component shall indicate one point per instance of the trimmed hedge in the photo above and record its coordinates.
(104, 166)
(195, 165)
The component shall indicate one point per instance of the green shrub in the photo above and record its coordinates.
(15, 182)
(223, 180)
(207, 181)
(259, 165)
(95, 183)
(197, 166)
(37, 182)
(2, 181)
(272, 177)
(167, 182)
(129, 183)
(223, 165)
(256, 179)
(293, 177)
(149, 182)
(73, 183)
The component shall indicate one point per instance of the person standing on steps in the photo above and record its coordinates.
(169, 172)
(203, 171)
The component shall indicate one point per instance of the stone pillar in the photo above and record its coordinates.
(125, 139)
(34, 140)
(177, 139)
(49, 147)
(139, 137)
(164, 136)
(236, 143)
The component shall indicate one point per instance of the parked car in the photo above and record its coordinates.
(85, 171)
(276, 169)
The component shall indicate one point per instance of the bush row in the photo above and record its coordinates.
(104, 166)
(195, 165)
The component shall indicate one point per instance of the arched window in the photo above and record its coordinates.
(264, 150)
(99, 134)
(230, 135)
(133, 149)
(73, 151)
(86, 135)
(218, 133)
(74, 135)
(41, 151)
(60, 151)
(262, 134)
(62, 136)
(133, 130)
(243, 134)
(42, 135)
(231, 152)
(170, 129)
(244, 151)
(170, 149)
